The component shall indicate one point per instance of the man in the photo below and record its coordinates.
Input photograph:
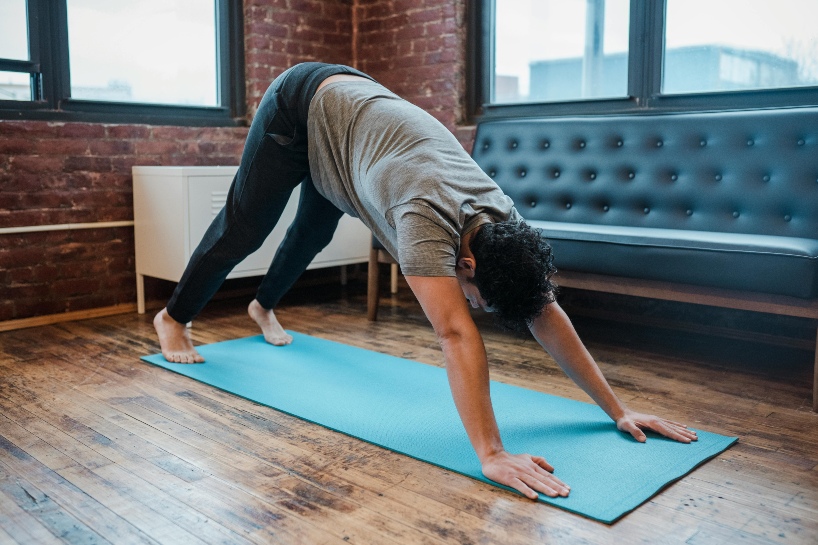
(357, 148)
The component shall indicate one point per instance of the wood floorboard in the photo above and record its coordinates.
(98, 447)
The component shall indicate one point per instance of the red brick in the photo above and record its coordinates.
(35, 164)
(128, 131)
(17, 144)
(61, 146)
(19, 257)
(86, 163)
(110, 147)
(37, 307)
(80, 130)
(152, 147)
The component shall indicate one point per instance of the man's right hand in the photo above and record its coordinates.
(525, 473)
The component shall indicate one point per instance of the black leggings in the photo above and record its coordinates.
(273, 163)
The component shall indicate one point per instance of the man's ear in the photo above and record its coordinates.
(466, 266)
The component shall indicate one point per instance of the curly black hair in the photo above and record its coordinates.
(513, 271)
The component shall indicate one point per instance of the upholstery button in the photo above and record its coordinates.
(647, 210)
(533, 204)
(702, 143)
(606, 208)
(568, 205)
(766, 178)
(592, 175)
(673, 177)
(582, 143)
(787, 217)
(631, 175)
(619, 143)
(522, 173)
(718, 177)
(492, 174)
(486, 145)
(735, 214)
(513, 144)
(546, 144)
(801, 142)
(659, 143)
(556, 173)
(750, 142)
(689, 212)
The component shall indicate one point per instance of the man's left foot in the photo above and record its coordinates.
(267, 321)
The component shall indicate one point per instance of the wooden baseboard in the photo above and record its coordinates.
(48, 319)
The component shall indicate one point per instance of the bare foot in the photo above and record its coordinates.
(267, 321)
(175, 340)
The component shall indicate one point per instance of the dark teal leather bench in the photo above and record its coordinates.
(711, 208)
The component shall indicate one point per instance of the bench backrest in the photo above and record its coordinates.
(741, 172)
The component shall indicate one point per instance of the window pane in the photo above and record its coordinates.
(15, 86)
(13, 30)
(151, 51)
(556, 50)
(727, 45)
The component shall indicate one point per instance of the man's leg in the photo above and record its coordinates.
(315, 223)
(267, 174)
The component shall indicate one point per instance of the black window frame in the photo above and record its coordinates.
(50, 77)
(645, 63)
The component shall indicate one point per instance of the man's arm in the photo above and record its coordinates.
(555, 333)
(467, 368)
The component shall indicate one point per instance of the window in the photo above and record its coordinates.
(152, 61)
(739, 45)
(557, 57)
(556, 50)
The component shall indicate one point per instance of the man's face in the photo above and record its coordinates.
(473, 294)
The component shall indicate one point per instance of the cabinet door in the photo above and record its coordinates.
(350, 244)
(207, 197)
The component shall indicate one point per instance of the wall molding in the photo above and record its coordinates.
(64, 227)
(71, 316)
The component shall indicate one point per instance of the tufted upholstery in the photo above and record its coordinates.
(724, 199)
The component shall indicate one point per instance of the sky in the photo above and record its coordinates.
(164, 49)
(553, 29)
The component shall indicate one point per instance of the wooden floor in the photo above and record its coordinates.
(97, 447)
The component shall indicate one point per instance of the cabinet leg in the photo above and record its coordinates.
(344, 275)
(140, 293)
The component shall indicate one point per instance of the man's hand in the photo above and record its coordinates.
(634, 423)
(523, 472)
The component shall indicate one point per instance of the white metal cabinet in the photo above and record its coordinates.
(173, 207)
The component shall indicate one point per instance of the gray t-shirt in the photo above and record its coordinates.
(381, 159)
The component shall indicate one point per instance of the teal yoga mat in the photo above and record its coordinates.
(405, 406)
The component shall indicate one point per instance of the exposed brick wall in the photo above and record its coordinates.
(281, 33)
(418, 50)
(55, 173)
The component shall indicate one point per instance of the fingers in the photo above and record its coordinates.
(527, 474)
(668, 428)
(633, 428)
(540, 461)
(530, 485)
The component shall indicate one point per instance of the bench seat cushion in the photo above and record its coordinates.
(761, 263)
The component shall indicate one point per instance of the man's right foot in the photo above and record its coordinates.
(174, 339)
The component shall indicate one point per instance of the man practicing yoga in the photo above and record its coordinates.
(355, 147)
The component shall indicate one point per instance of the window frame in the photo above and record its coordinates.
(51, 84)
(645, 64)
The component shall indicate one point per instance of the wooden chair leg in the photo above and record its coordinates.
(815, 378)
(372, 286)
(393, 278)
